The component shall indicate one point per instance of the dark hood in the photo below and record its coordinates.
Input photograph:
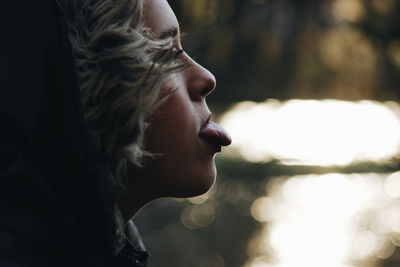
(55, 192)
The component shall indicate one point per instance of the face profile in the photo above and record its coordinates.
(180, 133)
(105, 112)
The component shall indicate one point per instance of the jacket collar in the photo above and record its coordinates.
(130, 249)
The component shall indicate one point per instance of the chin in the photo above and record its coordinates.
(195, 184)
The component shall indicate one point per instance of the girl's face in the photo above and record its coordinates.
(180, 130)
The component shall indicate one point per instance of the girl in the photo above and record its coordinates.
(102, 111)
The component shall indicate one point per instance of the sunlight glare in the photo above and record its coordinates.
(313, 220)
(311, 132)
(392, 185)
(364, 244)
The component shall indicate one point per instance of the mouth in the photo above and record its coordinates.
(215, 134)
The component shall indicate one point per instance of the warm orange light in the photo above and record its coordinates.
(348, 10)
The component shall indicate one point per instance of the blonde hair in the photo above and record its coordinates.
(120, 67)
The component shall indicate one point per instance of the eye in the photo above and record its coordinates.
(177, 52)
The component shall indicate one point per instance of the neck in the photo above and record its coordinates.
(130, 203)
(135, 194)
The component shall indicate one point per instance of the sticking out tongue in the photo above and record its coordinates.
(212, 132)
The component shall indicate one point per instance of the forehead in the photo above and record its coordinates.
(159, 16)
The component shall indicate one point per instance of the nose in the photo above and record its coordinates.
(200, 81)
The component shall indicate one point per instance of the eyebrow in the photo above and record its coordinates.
(169, 33)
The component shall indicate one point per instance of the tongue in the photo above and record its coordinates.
(215, 133)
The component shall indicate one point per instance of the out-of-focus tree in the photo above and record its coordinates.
(283, 49)
(344, 49)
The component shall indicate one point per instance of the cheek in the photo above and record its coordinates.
(173, 124)
(183, 167)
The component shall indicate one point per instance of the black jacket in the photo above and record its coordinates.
(57, 196)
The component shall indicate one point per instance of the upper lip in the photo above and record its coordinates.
(204, 124)
(207, 120)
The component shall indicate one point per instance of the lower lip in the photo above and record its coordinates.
(217, 147)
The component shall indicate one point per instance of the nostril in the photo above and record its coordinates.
(210, 85)
(206, 91)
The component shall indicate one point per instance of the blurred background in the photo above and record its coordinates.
(309, 91)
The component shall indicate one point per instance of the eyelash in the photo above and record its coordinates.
(177, 52)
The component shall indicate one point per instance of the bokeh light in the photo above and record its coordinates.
(392, 185)
(327, 132)
(348, 10)
(326, 220)
(263, 213)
